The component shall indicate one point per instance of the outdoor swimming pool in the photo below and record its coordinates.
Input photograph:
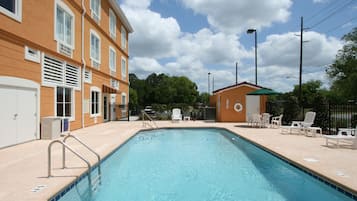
(198, 164)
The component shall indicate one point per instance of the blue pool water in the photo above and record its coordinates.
(199, 164)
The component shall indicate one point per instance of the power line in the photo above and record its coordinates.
(340, 25)
(322, 10)
(332, 13)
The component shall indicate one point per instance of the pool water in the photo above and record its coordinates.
(199, 164)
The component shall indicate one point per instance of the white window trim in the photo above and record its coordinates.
(92, 11)
(113, 68)
(18, 11)
(126, 98)
(123, 75)
(96, 89)
(123, 42)
(113, 17)
(61, 4)
(73, 115)
(92, 32)
(35, 58)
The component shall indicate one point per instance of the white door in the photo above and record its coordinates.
(252, 105)
(18, 115)
(27, 118)
(8, 116)
(113, 114)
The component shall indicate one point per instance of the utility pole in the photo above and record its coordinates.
(209, 73)
(301, 46)
(212, 83)
(236, 73)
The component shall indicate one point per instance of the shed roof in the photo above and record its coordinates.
(239, 85)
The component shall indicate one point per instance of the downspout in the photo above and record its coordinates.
(83, 60)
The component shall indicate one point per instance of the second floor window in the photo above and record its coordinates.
(123, 68)
(94, 47)
(64, 26)
(95, 9)
(112, 59)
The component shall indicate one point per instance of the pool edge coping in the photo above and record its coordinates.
(316, 175)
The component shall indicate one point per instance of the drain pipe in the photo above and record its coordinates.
(83, 60)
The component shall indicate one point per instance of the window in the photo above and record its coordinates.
(95, 101)
(123, 68)
(88, 76)
(64, 102)
(112, 24)
(123, 99)
(123, 38)
(95, 10)
(12, 8)
(114, 83)
(95, 49)
(64, 28)
(112, 59)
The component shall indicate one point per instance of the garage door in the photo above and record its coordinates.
(18, 118)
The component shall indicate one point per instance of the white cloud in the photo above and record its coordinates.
(143, 66)
(212, 48)
(284, 49)
(154, 36)
(319, 1)
(236, 16)
(137, 3)
(158, 45)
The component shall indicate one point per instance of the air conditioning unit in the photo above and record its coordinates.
(64, 49)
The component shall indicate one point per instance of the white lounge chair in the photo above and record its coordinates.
(347, 135)
(300, 126)
(276, 121)
(176, 114)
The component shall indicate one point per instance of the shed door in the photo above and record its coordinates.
(18, 115)
(252, 105)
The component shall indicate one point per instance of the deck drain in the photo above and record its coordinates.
(38, 188)
(312, 160)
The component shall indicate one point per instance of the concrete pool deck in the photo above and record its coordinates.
(23, 168)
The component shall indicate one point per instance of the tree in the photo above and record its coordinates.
(308, 92)
(203, 98)
(343, 72)
(133, 99)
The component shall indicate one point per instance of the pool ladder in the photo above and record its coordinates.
(93, 183)
(151, 123)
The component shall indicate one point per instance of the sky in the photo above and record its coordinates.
(193, 38)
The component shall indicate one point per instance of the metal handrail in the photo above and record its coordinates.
(72, 150)
(144, 114)
(85, 145)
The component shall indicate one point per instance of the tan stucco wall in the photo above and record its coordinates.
(37, 31)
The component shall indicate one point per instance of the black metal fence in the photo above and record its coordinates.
(342, 116)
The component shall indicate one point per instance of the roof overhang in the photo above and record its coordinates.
(122, 16)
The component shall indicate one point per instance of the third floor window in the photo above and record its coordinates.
(95, 10)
